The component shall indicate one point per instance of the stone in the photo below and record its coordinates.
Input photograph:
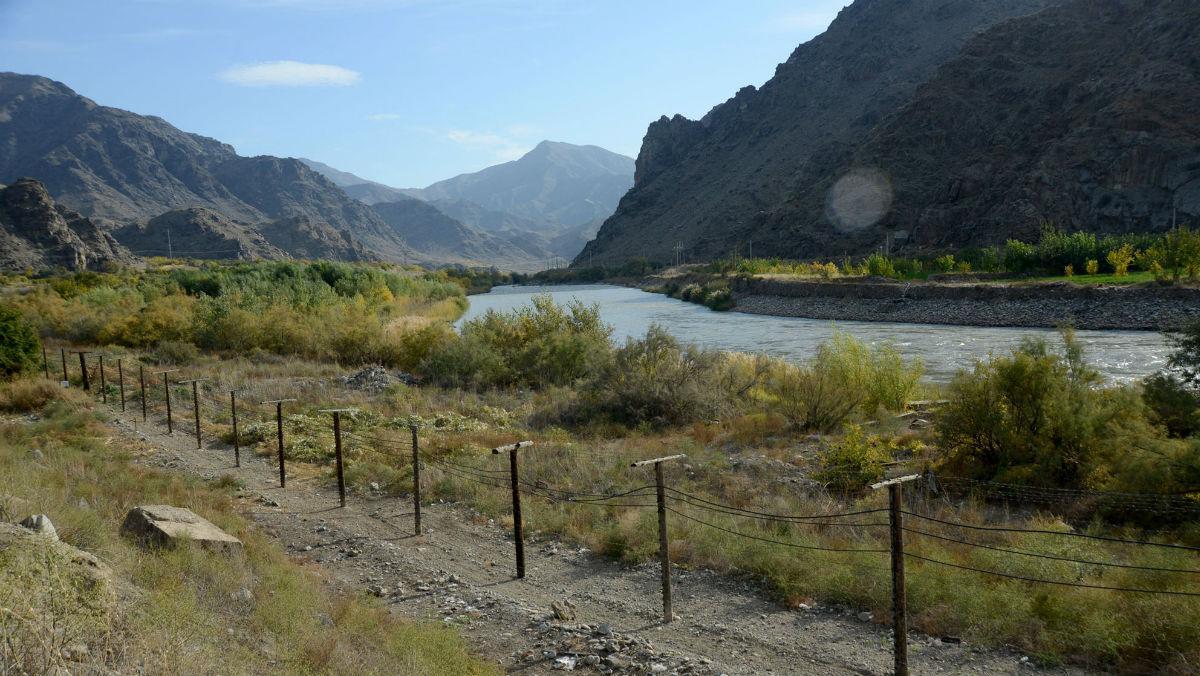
(865, 616)
(164, 525)
(40, 524)
(564, 611)
(36, 454)
(564, 663)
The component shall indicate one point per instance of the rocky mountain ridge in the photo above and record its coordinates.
(36, 233)
(709, 186)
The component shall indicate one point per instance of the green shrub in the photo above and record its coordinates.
(1172, 404)
(856, 460)
(1176, 254)
(20, 349)
(879, 265)
(944, 263)
(654, 380)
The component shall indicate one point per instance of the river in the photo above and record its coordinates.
(1119, 355)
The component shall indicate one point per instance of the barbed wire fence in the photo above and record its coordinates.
(909, 513)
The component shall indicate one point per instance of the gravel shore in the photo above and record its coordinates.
(1151, 308)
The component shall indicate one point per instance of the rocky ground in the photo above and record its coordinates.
(573, 611)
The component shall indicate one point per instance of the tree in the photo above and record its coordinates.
(19, 343)
(1120, 258)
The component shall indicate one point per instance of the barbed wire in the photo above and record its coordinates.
(1060, 583)
(1049, 556)
(792, 518)
(1051, 532)
(772, 540)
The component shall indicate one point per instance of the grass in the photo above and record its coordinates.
(183, 610)
(750, 461)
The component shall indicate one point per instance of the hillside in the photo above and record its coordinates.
(429, 230)
(36, 232)
(710, 184)
(120, 168)
(555, 185)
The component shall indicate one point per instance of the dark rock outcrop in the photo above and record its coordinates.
(37, 233)
(717, 183)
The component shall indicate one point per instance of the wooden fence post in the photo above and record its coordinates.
(142, 383)
(518, 526)
(899, 614)
(167, 391)
(237, 449)
(279, 433)
(416, 464)
(337, 449)
(63, 351)
(103, 384)
(45, 361)
(87, 384)
(121, 383)
(195, 404)
(664, 546)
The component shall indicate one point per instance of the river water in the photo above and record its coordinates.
(1118, 355)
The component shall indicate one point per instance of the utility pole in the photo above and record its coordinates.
(664, 547)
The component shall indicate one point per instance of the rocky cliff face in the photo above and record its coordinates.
(708, 185)
(121, 168)
(37, 233)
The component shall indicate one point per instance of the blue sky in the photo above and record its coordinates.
(408, 92)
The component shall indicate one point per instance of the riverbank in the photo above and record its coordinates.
(1042, 305)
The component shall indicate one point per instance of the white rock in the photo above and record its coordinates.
(41, 524)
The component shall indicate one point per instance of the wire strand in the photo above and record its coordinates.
(1051, 532)
(771, 540)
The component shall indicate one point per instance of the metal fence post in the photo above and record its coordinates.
(337, 449)
(416, 464)
(664, 545)
(899, 614)
(167, 391)
(87, 384)
(63, 351)
(45, 362)
(103, 384)
(518, 526)
(142, 383)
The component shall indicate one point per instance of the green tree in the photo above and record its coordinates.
(20, 348)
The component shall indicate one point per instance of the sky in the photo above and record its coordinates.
(408, 92)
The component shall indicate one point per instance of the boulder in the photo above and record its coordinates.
(167, 526)
(40, 524)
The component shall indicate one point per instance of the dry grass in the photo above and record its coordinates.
(182, 611)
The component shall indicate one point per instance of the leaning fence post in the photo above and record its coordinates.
(518, 527)
(195, 404)
(416, 462)
(121, 383)
(167, 390)
(103, 384)
(237, 449)
(279, 433)
(337, 449)
(664, 547)
(87, 384)
(45, 362)
(899, 616)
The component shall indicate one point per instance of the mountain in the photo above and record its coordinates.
(713, 184)
(120, 168)
(368, 192)
(430, 230)
(37, 233)
(555, 185)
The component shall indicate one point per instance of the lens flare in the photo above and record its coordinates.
(859, 199)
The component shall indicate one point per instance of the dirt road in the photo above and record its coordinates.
(460, 571)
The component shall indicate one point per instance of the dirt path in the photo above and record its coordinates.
(460, 571)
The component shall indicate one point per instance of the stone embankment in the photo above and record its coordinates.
(1133, 307)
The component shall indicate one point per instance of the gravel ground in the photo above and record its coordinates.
(574, 611)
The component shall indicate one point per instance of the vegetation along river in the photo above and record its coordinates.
(1118, 355)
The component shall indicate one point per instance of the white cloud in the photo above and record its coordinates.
(289, 74)
(501, 147)
(384, 117)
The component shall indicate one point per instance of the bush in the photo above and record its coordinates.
(27, 395)
(1093, 266)
(654, 380)
(944, 263)
(1120, 259)
(1176, 255)
(20, 349)
(854, 461)
(1172, 404)
(1039, 417)
(174, 353)
(879, 265)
